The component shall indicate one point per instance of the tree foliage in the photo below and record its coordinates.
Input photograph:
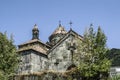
(8, 57)
(92, 55)
(117, 77)
(114, 56)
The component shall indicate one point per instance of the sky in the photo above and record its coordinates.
(18, 17)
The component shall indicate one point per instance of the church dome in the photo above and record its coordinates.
(60, 30)
(57, 34)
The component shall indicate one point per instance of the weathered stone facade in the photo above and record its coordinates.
(55, 55)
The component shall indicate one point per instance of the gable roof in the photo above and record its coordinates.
(40, 50)
(30, 46)
(70, 32)
(34, 41)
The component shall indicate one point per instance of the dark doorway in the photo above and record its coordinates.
(71, 66)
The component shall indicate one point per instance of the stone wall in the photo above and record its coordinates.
(32, 61)
(61, 55)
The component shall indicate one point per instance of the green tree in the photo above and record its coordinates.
(114, 55)
(8, 57)
(115, 77)
(91, 55)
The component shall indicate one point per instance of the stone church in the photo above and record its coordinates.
(54, 55)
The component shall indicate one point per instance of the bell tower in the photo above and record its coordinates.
(35, 32)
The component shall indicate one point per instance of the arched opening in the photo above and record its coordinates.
(71, 66)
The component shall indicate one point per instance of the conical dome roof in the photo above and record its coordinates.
(58, 34)
(60, 30)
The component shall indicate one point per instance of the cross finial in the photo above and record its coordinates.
(70, 24)
(59, 23)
